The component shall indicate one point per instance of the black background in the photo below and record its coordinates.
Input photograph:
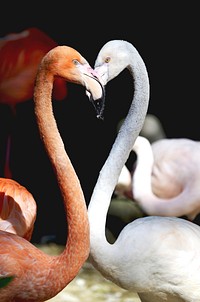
(167, 38)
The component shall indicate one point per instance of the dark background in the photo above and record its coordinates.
(167, 38)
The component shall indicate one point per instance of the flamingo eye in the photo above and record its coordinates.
(76, 62)
(107, 59)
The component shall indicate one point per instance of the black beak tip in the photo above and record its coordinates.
(99, 108)
(100, 117)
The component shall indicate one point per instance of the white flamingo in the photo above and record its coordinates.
(157, 257)
(165, 177)
(165, 180)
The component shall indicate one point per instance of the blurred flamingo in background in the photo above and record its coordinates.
(20, 55)
(164, 180)
(166, 175)
(153, 128)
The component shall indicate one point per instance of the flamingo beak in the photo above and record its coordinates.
(99, 107)
(96, 92)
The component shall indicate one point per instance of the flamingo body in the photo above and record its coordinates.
(17, 209)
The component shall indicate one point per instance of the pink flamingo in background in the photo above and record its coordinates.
(164, 180)
(166, 175)
(20, 55)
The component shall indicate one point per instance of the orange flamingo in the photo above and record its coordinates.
(17, 209)
(38, 276)
(20, 55)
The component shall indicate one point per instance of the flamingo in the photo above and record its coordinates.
(18, 208)
(160, 177)
(157, 257)
(165, 179)
(20, 55)
(38, 276)
(153, 130)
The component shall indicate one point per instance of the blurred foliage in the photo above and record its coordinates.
(5, 281)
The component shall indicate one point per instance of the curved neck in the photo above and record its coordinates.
(141, 178)
(77, 245)
(142, 188)
(119, 153)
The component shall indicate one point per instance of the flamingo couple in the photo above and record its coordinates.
(157, 257)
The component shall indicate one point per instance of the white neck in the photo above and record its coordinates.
(119, 153)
